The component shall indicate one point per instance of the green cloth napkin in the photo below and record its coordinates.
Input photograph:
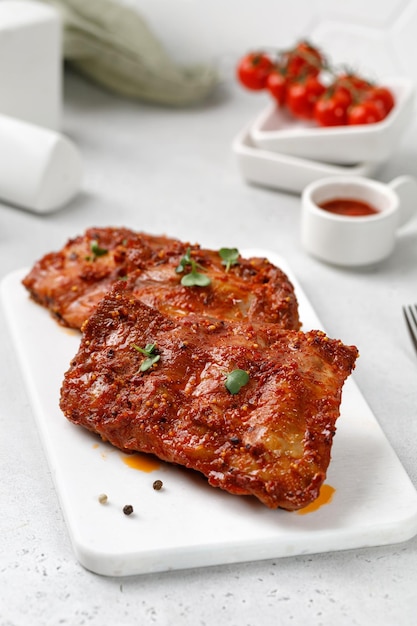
(112, 45)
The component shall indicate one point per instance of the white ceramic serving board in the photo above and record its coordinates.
(188, 523)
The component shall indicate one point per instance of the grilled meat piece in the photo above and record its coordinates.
(71, 282)
(272, 439)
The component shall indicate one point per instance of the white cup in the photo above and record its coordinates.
(356, 241)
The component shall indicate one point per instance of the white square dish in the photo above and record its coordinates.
(278, 131)
(287, 173)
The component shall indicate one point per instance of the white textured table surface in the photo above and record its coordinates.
(173, 172)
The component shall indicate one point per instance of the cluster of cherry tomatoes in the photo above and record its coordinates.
(302, 80)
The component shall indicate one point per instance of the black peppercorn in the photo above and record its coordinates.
(128, 509)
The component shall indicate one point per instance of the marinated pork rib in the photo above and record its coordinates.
(271, 439)
(71, 282)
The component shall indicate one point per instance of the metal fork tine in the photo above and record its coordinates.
(410, 314)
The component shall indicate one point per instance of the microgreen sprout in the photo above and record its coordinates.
(149, 351)
(97, 250)
(236, 380)
(194, 278)
(229, 256)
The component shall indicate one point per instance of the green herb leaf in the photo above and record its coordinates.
(236, 380)
(194, 278)
(147, 350)
(151, 355)
(229, 256)
(97, 250)
(147, 363)
(184, 261)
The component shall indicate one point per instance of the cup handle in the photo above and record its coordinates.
(406, 189)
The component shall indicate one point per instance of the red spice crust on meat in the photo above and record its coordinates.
(72, 281)
(271, 440)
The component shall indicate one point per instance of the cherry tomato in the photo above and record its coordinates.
(305, 59)
(342, 91)
(382, 97)
(366, 112)
(354, 81)
(276, 84)
(253, 70)
(293, 79)
(331, 110)
(303, 95)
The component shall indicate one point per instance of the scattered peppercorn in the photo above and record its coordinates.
(128, 509)
(157, 485)
(102, 498)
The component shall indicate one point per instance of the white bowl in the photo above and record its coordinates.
(343, 239)
(287, 173)
(276, 130)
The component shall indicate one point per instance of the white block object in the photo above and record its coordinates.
(31, 62)
(40, 169)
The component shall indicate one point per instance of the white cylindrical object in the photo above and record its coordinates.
(31, 62)
(40, 169)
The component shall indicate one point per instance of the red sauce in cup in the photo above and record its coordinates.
(349, 207)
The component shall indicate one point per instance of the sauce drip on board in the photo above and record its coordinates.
(142, 462)
(349, 207)
(325, 496)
